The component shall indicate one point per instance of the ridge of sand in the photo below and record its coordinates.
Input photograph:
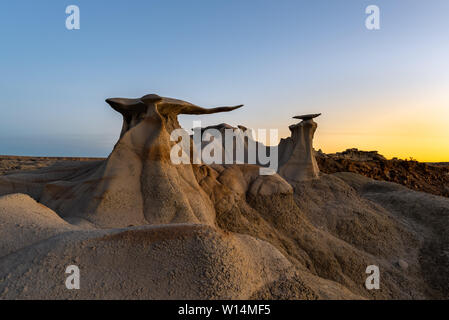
(24, 222)
(152, 262)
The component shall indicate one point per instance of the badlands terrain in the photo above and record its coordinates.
(140, 227)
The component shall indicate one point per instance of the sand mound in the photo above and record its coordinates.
(160, 262)
(428, 218)
(23, 222)
(333, 242)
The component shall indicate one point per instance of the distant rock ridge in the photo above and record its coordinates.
(358, 155)
(420, 176)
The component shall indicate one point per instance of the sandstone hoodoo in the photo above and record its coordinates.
(137, 184)
(161, 192)
(296, 155)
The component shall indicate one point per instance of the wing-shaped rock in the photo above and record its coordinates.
(138, 184)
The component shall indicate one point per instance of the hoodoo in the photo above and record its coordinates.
(140, 169)
(296, 157)
(137, 184)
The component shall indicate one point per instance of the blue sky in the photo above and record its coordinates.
(279, 58)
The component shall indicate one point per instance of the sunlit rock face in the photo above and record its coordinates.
(296, 156)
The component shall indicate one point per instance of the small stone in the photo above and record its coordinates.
(403, 264)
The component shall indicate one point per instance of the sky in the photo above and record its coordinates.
(384, 90)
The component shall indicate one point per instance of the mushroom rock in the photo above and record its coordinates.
(137, 184)
(139, 178)
(296, 156)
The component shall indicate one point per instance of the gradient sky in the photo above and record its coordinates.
(385, 90)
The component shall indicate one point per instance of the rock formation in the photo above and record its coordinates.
(241, 141)
(137, 184)
(357, 155)
(419, 176)
(296, 155)
(219, 231)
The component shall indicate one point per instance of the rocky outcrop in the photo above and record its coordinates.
(237, 145)
(419, 176)
(137, 184)
(357, 155)
(296, 156)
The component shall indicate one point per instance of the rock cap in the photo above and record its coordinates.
(306, 117)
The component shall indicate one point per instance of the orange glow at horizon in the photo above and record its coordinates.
(424, 149)
(415, 126)
(404, 130)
